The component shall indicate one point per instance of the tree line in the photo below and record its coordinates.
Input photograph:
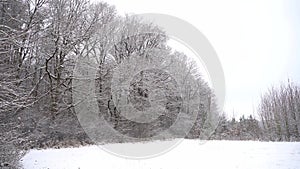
(40, 43)
(279, 113)
(278, 118)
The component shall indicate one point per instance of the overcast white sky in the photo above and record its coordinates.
(257, 41)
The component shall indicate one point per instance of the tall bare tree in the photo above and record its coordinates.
(279, 112)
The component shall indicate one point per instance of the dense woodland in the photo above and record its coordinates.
(42, 40)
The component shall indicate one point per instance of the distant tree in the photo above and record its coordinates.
(279, 112)
(247, 128)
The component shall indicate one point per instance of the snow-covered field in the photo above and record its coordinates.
(189, 154)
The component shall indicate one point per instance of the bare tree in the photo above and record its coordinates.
(279, 112)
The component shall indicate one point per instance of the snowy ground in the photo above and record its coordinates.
(189, 154)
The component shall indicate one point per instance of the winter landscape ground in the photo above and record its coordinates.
(189, 154)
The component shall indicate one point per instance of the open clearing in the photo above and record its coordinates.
(188, 154)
